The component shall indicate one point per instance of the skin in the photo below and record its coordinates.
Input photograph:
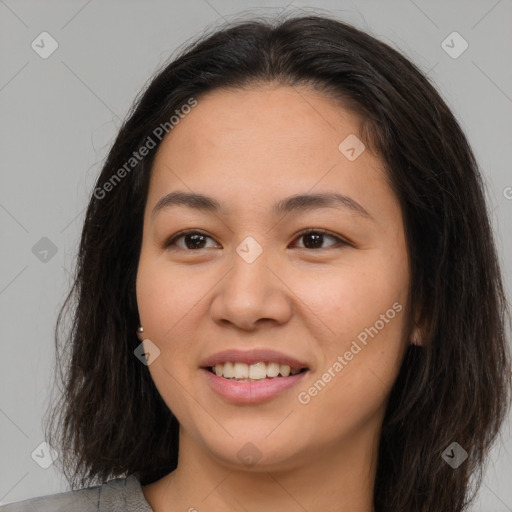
(248, 149)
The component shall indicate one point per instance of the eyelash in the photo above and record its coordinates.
(172, 241)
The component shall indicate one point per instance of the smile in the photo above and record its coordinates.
(253, 372)
(247, 390)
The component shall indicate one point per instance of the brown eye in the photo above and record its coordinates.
(193, 240)
(314, 239)
(197, 240)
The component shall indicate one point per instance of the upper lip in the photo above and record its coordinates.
(252, 356)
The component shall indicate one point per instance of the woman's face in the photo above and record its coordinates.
(333, 302)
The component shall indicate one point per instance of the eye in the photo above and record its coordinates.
(315, 237)
(195, 240)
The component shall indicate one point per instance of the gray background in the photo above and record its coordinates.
(59, 116)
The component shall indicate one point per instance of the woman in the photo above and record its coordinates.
(287, 270)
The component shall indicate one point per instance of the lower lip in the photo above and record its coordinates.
(251, 391)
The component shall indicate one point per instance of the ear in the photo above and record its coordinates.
(418, 330)
(140, 335)
(416, 338)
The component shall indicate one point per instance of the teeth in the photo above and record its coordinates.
(241, 371)
(256, 371)
(228, 371)
(284, 370)
(273, 369)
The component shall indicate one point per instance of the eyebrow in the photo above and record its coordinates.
(298, 202)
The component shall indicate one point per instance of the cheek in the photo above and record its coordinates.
(354, 295)
(165, 296)
(161, 306)
(362, 311)
(164, 299)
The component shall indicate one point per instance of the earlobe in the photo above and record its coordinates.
(416, 337)
(140, 332)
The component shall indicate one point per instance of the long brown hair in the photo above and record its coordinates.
(110, 420)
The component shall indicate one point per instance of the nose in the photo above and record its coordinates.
(251, 294)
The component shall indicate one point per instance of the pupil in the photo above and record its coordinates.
(196, 238)
(317, 240)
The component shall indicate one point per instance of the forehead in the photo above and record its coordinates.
(280, 116)
(264, 143)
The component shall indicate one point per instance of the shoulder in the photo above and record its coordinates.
(118, 494)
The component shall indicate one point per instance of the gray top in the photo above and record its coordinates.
(119, 495)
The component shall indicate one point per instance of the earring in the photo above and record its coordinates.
(140, 329)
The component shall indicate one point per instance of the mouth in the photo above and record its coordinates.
(243, 372)
(245, 389)
(253, 376)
